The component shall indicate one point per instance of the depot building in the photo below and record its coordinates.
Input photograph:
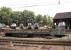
(63, 17)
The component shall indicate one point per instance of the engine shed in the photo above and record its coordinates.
(63, 17)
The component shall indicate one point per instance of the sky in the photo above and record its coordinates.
(44, 7)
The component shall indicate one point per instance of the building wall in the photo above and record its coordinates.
(67, 22)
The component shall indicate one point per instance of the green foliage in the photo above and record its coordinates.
(7, 16)
(6, 11)
(49, 21)
(28, 16)
(38, 18)
(16, 17)
(44, 20)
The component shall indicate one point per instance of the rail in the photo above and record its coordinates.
(34, 41)
(11, 43)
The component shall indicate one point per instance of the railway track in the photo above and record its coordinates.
(32, 43)
(44, 41)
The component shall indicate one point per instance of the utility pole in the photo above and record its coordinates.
(59, 2)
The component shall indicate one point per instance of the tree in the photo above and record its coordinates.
(6, 10)
(38, 18)
(44, 20)
(28, 16)
(5, 15)
(49, 21)
(16, 17)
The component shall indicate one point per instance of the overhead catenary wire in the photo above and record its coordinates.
(38, 4)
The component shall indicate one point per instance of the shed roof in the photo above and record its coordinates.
(62, 15)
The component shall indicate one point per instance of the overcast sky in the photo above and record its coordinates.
(49, 7)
